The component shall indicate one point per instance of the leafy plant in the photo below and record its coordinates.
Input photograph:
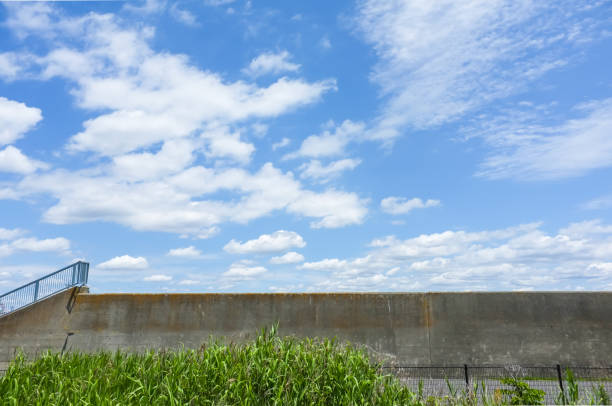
(521, 393)
(268, 371)
(573, 392)
(599, 396)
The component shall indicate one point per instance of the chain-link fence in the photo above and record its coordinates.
(583, 383)
(441, 381)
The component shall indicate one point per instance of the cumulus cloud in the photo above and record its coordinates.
(189, 282)
(58, 245)
(291, 257)
(281, 144)
(187, 252)
(10, 65)
(184, 16)
(158, 278)
(270, 62)
(181, 204)
(331, 142)
(402, 205)
(325, 264)
(242, 271)
(520, 257)
(334, 208)
(33, 244)
(224, 144)
(148, 97)
(153, 115)
(13, 160)
(173, 157)
(9, 234)
(16, 119)
(280, 240)
(324, 173)
(124, 262)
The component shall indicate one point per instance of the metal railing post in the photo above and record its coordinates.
(36, 291)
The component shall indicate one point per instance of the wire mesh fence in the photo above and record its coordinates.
(486, 381)
(441, 381)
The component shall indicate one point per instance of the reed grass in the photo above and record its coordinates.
(268, 371)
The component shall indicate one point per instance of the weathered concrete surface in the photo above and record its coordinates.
(38, 327)
(408, 328)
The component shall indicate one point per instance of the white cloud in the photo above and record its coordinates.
(325, 264)
(158, 278)
(9, 234)
(291, 257)
(269, 62)
(281, 144)
(600, 203)
(531, 151)
(325, 43)
(223, 144)
(181, 204)
(259, 129)
(189, 282)
(586, 228)
(334, 208)
(315, 170)
(14, 244)
(184, 16)
(29, 19)
(16, 119)
(441, 60)
(149, 97)
(124, 262)
(241, 271)
(153, 115)
(280, 240)
(146, 7)
(402, 205)
(329, 144)
(13, 160)
(174, 156)
(507, 259)
(217, 2)
(206, 233)
(59, 244)
(187, 252)
(10, 65)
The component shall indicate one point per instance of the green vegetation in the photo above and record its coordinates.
(598, 395)
(268, 371)
(521, 393)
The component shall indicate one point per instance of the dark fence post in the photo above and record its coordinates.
(467, 377)
(561, 383)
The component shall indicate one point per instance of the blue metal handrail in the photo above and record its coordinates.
(58, 281)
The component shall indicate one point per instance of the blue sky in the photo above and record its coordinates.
(253, 146)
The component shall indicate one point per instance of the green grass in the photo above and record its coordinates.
(270, 370)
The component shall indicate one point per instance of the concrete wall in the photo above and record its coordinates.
(405, 328)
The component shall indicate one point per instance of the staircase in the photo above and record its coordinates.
(58, 281)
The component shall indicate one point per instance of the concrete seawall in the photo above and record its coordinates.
(405, 328)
